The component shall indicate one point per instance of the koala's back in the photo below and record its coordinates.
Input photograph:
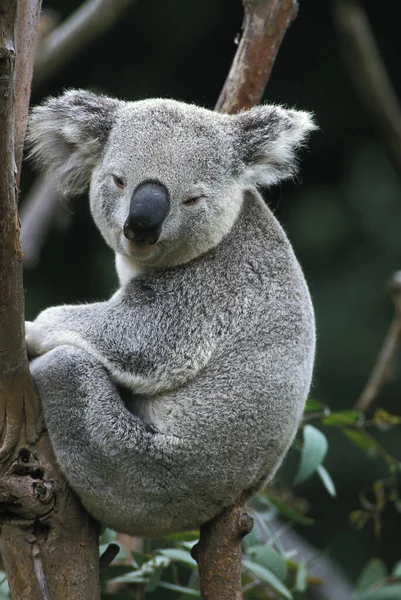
(236, 419)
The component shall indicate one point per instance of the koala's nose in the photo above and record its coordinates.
(149, 207)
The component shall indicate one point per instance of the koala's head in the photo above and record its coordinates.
(166, 179)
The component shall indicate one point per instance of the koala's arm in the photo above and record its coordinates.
(142, 346)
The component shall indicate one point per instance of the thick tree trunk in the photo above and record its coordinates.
(48, 543)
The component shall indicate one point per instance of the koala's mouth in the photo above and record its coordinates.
(142, 250)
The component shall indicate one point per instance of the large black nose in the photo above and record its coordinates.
(149, 207)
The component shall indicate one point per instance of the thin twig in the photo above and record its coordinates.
(265, 23)
(66, 41)
(382, 369)
(108, 556)
(369, 74)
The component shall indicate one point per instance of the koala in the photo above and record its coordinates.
(184, 390)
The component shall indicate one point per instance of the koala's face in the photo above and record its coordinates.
(165, 189)
(166, 178)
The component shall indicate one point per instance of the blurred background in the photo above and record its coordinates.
(342, 214)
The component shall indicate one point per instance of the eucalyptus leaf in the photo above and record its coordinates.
(326, 480)
(313, 405)
(178, 555)
(154, 579)
(396, 572)
(387, 592)
(179, 588)
(313, 452)
(269, 578)
(301, 578)
(140, 558)
(374, 571)
(343, 417)
(268, 557)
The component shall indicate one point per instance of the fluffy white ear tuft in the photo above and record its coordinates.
(67, 135)
(266, 140)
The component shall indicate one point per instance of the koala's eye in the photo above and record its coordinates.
(118, 182)
(192, 201)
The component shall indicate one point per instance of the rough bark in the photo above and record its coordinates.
(265, 23)
(49, 545)
(218, 554)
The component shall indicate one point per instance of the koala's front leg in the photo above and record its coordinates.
(57, 326)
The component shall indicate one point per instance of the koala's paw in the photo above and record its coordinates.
(37, 338)
(30, 341)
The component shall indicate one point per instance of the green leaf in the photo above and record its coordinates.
(115, 571)
(382, 418)
(140, 558)
(301, 578)
(183, 536)
(387, 592)
(266, 556)
(326, 480)
(313, 452)
(291, 513)
(340, 418)
(146, 571)
(181, 556)
(313, 406)
(396, 572)
(374, 571)
(371, 447)
(154, 579)
(269, 578)
(179, 588)
(363, 440)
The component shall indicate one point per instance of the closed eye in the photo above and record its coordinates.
(118, 182)
(193, 200)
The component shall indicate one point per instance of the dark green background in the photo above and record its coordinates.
(343, 214)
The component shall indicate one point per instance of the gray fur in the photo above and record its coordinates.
(186, 388)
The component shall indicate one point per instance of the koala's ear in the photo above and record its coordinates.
(267, 138)
(67, 135)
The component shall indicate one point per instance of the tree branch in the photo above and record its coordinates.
(218, 554)
(67, 40)
(28, 21)
(37, 216)
(265, 24)
(382, 369)
(369, 75)
(48, 543)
